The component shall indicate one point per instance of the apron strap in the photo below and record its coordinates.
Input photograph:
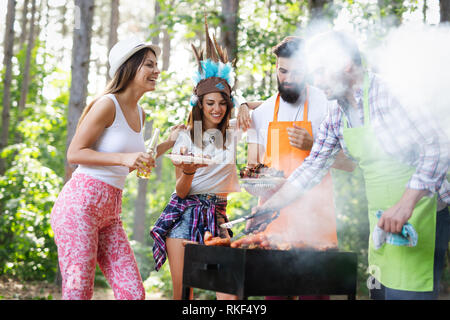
(305, 107)
(277, 107)
(365, 103)
(366, 100)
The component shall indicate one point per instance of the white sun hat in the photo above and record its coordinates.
(124, 49)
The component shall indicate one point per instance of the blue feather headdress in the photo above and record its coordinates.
(215, 73)
(219, 69)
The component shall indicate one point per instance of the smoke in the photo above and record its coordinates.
(310, 220)
(415, 62)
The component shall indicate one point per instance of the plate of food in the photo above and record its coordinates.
(261, 180)
(190, 158)
(264, 180)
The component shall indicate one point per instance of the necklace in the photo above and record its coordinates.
(298, 109)
(209, 140)
(300, 106)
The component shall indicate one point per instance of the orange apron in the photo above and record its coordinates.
(311, 219)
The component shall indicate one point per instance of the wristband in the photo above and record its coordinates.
(188, 174)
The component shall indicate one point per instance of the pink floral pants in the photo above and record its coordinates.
(87, 226)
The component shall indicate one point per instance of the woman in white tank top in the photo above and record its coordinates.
(107, 145)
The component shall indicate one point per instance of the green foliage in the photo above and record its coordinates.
(187, 13)
(33, 180)
(29, 190)
(160, 281)
(257, 35)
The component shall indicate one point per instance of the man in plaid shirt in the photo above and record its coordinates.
(360, 100)
(402, 135)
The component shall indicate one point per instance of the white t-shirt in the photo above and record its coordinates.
(261, 116)
(215, 178)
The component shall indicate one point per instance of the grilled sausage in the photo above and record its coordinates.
(207, 236)
(223, 242)
(265, 244)
(212, 241)
(242, 241)
(237, 243)
(217, 241)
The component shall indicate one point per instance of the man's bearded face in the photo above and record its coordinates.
(333, 83)
(290, 92)
(290, 78)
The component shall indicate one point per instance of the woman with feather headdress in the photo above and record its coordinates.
(198, 205)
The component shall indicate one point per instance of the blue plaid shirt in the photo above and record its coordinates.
(412, 139)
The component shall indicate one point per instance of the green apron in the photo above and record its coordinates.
(396, 267)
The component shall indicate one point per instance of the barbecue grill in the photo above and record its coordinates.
(261, 272)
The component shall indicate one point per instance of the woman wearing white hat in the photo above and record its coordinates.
(108, 144)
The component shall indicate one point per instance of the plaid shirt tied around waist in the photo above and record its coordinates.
(204, 209)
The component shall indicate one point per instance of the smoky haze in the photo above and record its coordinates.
(414, 60)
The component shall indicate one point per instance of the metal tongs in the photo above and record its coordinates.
(251, 216)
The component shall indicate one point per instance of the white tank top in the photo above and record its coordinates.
(118, 138)
(215, 178)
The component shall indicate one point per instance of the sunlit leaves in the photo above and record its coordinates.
(27, 248)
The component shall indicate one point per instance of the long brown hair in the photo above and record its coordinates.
(197, 115)
(123, 76)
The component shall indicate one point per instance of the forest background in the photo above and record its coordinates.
(54, 55)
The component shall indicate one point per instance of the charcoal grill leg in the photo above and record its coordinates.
(186, 293)
(240, 293)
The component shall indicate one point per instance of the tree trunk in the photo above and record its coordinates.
(62, 14)
(47, 21)
(23, 23)
(113, 25)
(230, 9)
(62, 10)
(38, 18)
(165, 50)
(139, 225)
(7, 63)
(424, 11)
(155, 39)
(316, 9)
(81, 51)
(26, 69)
(444, 6)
